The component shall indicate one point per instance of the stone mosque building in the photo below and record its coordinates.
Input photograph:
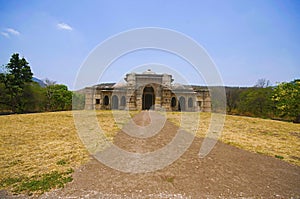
(147, 91)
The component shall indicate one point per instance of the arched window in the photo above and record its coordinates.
(115, 102)
(173, 102)
(123, 101)
(106, 100)
(190, 102)
(181, 104)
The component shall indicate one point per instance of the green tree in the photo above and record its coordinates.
(18, 73)
(34, 98)
(4, 97)
(58, 97)
(256, 102)
(232, 99)
(287, 99)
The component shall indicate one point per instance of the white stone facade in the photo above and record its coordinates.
(147, 91)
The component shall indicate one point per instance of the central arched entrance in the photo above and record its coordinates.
(148, 98)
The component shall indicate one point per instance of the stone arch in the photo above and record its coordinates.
(190, 102)
(148, 100)
(181, 104)
(123, 101)
(115, 102)
(106, 100)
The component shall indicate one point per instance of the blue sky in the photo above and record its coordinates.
(247, 40)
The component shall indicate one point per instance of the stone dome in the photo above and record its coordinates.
(149, 71)
(120, 85)
(178, 86)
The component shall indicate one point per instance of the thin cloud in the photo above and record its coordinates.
(12, 31)
(5, 34)
(64, 26)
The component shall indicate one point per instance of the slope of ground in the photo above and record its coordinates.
(226, 172)
(41, 143)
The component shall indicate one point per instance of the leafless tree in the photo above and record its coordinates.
(49, 82)
(262, 83)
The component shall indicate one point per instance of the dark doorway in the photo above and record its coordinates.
(173, 102)
(106, 100)
(148, 98)
(115, 102)
(181, 104)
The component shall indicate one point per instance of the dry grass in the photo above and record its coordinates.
(38, 144)
(273, 138)
(35, 144)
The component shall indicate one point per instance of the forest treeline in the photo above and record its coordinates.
(19, 94)
(262, 100)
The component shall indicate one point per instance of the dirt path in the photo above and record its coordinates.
(227, 172)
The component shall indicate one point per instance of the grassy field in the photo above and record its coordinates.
(40, 151)
(273, 138)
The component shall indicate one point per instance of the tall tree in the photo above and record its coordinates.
(18, 74)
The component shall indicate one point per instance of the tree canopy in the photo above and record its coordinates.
(19, 94)
(18, 73)
(287, 98)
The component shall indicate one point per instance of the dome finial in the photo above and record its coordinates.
(149, 71)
